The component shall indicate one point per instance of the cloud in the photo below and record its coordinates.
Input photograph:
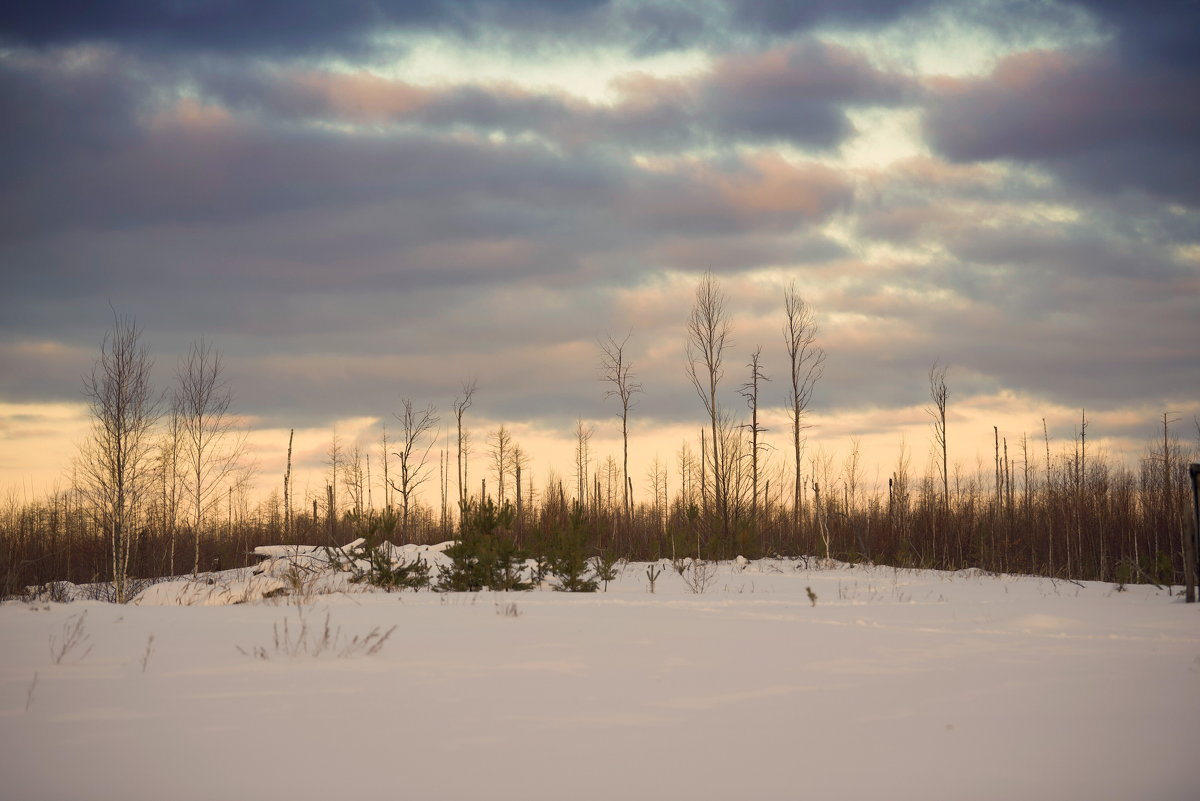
(48, 370)
(796, 93)
(1089, 116)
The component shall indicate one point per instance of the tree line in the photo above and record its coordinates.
(160, 486)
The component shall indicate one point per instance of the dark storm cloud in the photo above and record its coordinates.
(295, 28)
(1155, 32)
(270, 27)
(783, 17)
(1106, 119)
(63, 110)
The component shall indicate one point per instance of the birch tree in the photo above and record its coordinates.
(116, 459)
(212, 447)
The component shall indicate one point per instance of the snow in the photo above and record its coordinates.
(892, 684)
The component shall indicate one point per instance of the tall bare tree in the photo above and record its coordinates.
(940, 395)
(212, 447)
(708, 330)
(461, 404)
(750, 393)
(806, 360)
(418, 433)
(116, 459)
(616, 370)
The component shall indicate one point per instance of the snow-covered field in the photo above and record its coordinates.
(891, 685)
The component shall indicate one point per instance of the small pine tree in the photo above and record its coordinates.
(570, 561)
(485, 554)
(383, 570)
(605, 567)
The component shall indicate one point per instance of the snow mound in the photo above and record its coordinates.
(291, 570)
(211, 591)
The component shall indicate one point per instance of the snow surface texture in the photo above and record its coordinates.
(890, 684)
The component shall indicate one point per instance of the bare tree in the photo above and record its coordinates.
(116, 459)
(169, 448)
(212, 447)
(418, 432)
(687, 475)
(708, 331)
(806, 359)
(386, 456)
(461, 404)
(616, 370)
(333, 460)
(657, 474)
(519, 465)
(354, 478)
(287, 489)
(610, 480)
(750, 393)
(583, 438)
(501, 444)
(939, 395)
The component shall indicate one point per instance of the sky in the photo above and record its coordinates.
(362, 202)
